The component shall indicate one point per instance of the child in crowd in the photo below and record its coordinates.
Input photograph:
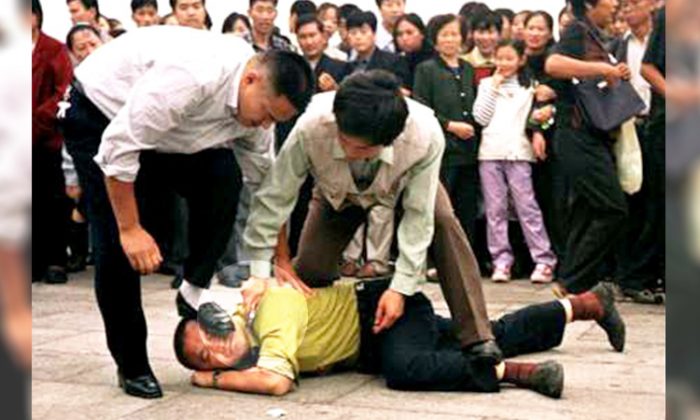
(503, 105)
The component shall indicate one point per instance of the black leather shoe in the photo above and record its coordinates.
(486, 351)
(184, 309)
(56, 275)
(145, 386)
(611, 321)
(214, 320)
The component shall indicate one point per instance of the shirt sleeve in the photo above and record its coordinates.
(415, 232)
(485, 104)
(274, 202)
(157, 103)
(254, 155)
(280, 326)
(572, 42)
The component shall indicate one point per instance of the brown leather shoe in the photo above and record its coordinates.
(372, 269)
(349, 268)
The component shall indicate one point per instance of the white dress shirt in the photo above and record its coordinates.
(635, 53)
(384, 39)
(170, 89)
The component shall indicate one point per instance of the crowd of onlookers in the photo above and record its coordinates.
(534, 187)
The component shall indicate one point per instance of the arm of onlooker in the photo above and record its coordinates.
(274, 202)
(415, 231)
(657, 80)
(44, 116)
(564, 67)
(485, 103)
(253, 380)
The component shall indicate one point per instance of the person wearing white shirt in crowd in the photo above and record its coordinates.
(391, 11)
(170, 102)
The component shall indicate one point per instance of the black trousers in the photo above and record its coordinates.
(421, 351)
(209, 181)
(50, 212)
(462, 185)
(598, 206)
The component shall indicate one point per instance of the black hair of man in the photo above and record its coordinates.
(89, 4)
(179, 344)
(291, 77)
(252, 2)
(346, 10)
(302, 7)
(379, 2)
(173, 4)
(359, 19)
(140, 4)
(486, 22)
(578, 7)
(231, 20)
(307, 19)
(472, 8)
(505, 13)
(38, 12)
(79, 28)
(438, 22)
(369, 105)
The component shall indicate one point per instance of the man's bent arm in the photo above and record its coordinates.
(253, 380)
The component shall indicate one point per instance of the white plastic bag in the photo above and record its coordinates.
(628, 157)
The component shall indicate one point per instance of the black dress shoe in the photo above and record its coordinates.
(184, 309)
(215, 320)
(611, 321)
(486, 351)
(145, 386)
(56, 275)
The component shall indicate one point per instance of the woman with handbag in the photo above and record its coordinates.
(597, 202)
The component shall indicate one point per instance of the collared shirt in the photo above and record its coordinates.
(384, 39)
(635, 53)
(410, 168)
(276, 42)
(476, 59)
(171, 89)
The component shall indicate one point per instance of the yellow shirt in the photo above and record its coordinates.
(296, 334)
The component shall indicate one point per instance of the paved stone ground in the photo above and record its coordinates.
(74, 377)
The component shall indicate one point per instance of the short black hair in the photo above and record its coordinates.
(486, 21)
(231, 20)
(357, 20)
(440, 21)
(505, 13)
(578, 7)
(173, 3)
(348, 9)
(379, 2)
(252, 2)
(38, 12)
(291, 76)
(369, 105)
(140, 4)
(472, 8)
(302, 7)
(88, 4)
(308, 19)
(79, 28)
(179, 343)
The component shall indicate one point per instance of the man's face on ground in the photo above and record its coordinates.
(361, 39)
(263, 15)
(258, 104)
(190, 13)
(356, 148)
(145, 16)
(392, 10)
(209, 353)
(311, 40)
(78, 13)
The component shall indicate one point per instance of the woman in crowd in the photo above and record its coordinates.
(329, 15)
(412, 42)
(82, 40)
(503, 107)
(517, 29)
(598, 205)
(444, 83)
(236, 24)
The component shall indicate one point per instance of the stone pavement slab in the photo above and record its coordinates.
(74, 377)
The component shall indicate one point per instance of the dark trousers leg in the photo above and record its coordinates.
(532, 329)
(117, 285)
(415, 358)
(461, 184)
(210, 182)
(598, 209)
(460, 279)
(325, 236)
(50, 212)
(301, 210)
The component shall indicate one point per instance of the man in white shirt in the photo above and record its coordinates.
(391, 11)
(170, 102)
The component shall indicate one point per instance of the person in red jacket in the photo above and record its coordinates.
(51, 73)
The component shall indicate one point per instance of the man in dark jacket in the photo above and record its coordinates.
(329, 72)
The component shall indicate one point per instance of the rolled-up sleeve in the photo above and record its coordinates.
(415, 232)
(156, 104)
(274, 202)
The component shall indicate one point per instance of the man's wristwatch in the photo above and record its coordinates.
(215, 379)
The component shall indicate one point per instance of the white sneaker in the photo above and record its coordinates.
(501, 274)
(542, 274)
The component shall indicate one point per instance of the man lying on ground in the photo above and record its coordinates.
(332, 330)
